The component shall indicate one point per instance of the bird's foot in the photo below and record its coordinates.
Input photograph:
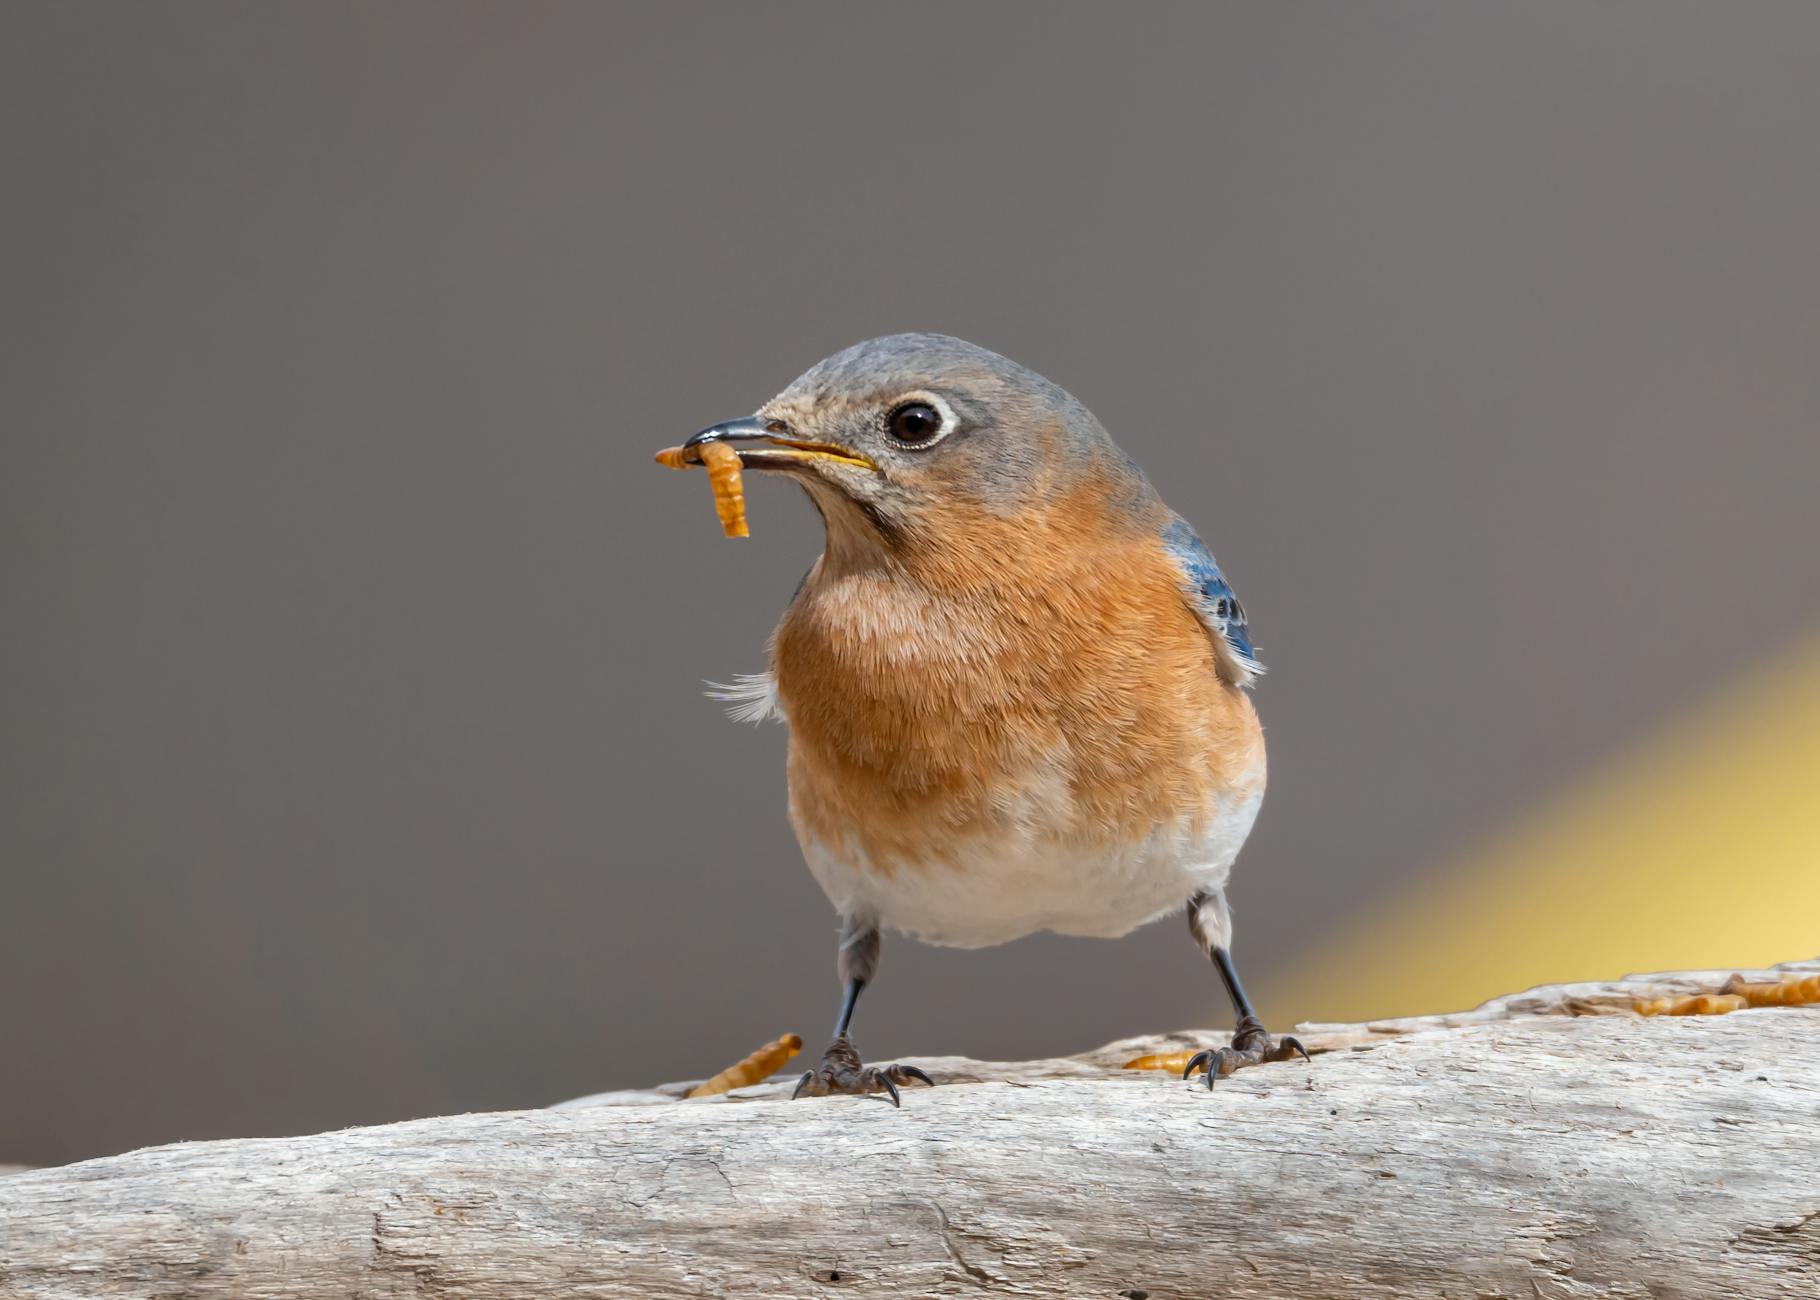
(1250, 1046)
(842, 1072)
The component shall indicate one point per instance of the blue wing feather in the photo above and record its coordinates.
(1214, 601)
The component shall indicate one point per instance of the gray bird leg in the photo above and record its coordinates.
(841, 1070)
(1210, 922)
(856, 963)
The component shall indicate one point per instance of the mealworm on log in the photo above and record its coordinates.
(1174, 1062)
(761, 1065)
(722, 463)
(1699, 1004)
(1736, 994)
(1788, 993)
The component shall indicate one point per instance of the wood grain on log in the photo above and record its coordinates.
(1496, 1153)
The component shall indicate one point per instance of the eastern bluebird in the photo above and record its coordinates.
(1014, 680)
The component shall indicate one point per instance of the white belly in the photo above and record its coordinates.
(1023, 878)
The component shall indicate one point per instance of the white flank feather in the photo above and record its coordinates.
(749, 697)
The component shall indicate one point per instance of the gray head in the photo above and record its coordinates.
(908, 433)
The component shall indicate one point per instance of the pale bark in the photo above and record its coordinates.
(1579, 1152)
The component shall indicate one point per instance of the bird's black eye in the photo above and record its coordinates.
(915, 423)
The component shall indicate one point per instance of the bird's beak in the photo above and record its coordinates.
(780, 450)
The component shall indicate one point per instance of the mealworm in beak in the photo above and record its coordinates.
(723, 467)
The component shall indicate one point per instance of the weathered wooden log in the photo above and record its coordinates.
(1541, 1146)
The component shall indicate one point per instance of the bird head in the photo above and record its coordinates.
(903, 440)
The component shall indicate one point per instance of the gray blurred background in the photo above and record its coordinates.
(353, 753)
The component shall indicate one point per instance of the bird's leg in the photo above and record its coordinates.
(1211, 925)
(841, 1070)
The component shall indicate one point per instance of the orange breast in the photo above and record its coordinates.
(925, 694)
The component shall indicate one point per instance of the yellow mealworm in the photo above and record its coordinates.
(1735, 996)
(1700, 1004)
(722, 463)
(762, 1064)
(1789, 993)
(729, 496)
(1174, 1062)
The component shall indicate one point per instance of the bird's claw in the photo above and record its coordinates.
(842, 1072)
(1250, 1046)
